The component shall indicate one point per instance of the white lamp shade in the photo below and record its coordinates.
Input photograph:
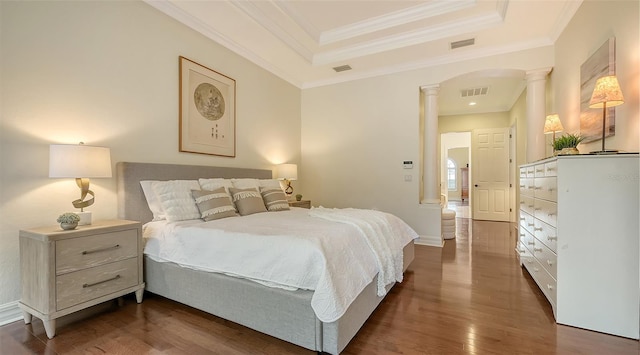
(552, 124)
(79, 161)
(287, 171)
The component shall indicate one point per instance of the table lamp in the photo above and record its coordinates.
(288, 173)
(606, 93)
(80, 162)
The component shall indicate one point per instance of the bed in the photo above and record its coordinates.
(284, 314)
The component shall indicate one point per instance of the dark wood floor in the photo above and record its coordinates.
(470, 297)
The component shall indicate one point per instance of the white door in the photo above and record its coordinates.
(490, 171)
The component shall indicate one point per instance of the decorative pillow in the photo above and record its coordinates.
(212, 184)
(247, 201)
(246, 184)
(152, 200)
(274, 199)
(175, 197)
(214, 204)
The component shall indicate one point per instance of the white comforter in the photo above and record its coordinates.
(336, 253)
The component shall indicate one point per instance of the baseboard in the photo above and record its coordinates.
(10, 312)
(432, 241)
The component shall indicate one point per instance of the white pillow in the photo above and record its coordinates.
(270, 183)
(246, 184)
(176, 199)
(152, 200)
(215, 183)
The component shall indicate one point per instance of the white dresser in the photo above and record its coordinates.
(64, 271)
(579, 239)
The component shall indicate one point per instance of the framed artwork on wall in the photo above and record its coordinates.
(601, 63)
(207, 110)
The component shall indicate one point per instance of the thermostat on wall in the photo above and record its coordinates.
(408, 164)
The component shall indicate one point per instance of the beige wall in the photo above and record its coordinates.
(592, 25)
(355, 136)
(106, 73)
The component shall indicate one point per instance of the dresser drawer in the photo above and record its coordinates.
(546, 234)
(80, 253)
(546, 188)
(551, 168)
(538, 170)
(546, 211)
(546, 283)
(84, 285)
(526, 239)
(526, 187)
(526, 221)
(546, 258)
(526, 204)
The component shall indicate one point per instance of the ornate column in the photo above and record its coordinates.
(536, 113)
(430, 153)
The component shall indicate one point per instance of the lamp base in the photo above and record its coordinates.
(608, 151)
(85, 218)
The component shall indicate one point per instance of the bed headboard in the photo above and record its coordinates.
(132, 204)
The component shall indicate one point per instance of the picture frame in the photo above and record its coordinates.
(207, 122)
(601, 63)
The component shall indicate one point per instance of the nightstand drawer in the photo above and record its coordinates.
(302, 204)
(85, 285)
(80, 253)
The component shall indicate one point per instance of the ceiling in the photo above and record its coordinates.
(301, 41)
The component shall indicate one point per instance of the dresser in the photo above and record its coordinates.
(64, 271)
(579, 239)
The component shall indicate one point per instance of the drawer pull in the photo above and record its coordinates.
(101, 282)
(551, 214)
(537, 249)
(522, 235)
(530, 243)
(530, 206)
(522, 202)
(537, 229)
(539, 170)
(522, 218)
(551, 189)
(550, 263)
(552, 238)
(521, 186)
(530, 224)
(550, 287)
(538, 188)
(100, 250)
(537, 209)
(550, 169)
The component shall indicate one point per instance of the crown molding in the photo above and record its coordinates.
(397, 18)
(449, 58)
(410, 38)
(271, 25)
(169, 9)
(568, 10)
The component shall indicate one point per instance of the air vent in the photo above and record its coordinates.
(342, 68)
(463, 43)
(474, 92)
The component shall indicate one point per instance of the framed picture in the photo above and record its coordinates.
(207, 110)
(601, 63)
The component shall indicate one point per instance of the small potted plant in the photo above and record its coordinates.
(298, 197)
(566, 144)
(68, 220)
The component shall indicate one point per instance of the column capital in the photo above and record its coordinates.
(430, 89)
(537, 74)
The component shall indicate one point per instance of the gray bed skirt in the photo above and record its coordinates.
(283, 314)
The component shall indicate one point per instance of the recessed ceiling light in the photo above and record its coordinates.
(472, 103)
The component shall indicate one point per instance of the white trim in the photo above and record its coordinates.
(10, 312)
(428, 240)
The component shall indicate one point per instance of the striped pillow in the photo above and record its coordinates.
(214, 204)
(274, 199)
(247, 201)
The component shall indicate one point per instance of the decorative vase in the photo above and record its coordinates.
(298, 197)
(68, 226)
(569, 151)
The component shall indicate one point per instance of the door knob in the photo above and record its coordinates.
(476, 185)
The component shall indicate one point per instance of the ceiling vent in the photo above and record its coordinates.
(474, 92)
(463, 43)
(342, 68)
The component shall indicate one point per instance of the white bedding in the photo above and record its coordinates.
(329, 253)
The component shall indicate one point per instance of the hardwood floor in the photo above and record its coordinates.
(470, 297)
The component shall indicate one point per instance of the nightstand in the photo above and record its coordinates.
(66, 271)
(303, 204)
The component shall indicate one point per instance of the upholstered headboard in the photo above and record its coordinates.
(132, 204)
